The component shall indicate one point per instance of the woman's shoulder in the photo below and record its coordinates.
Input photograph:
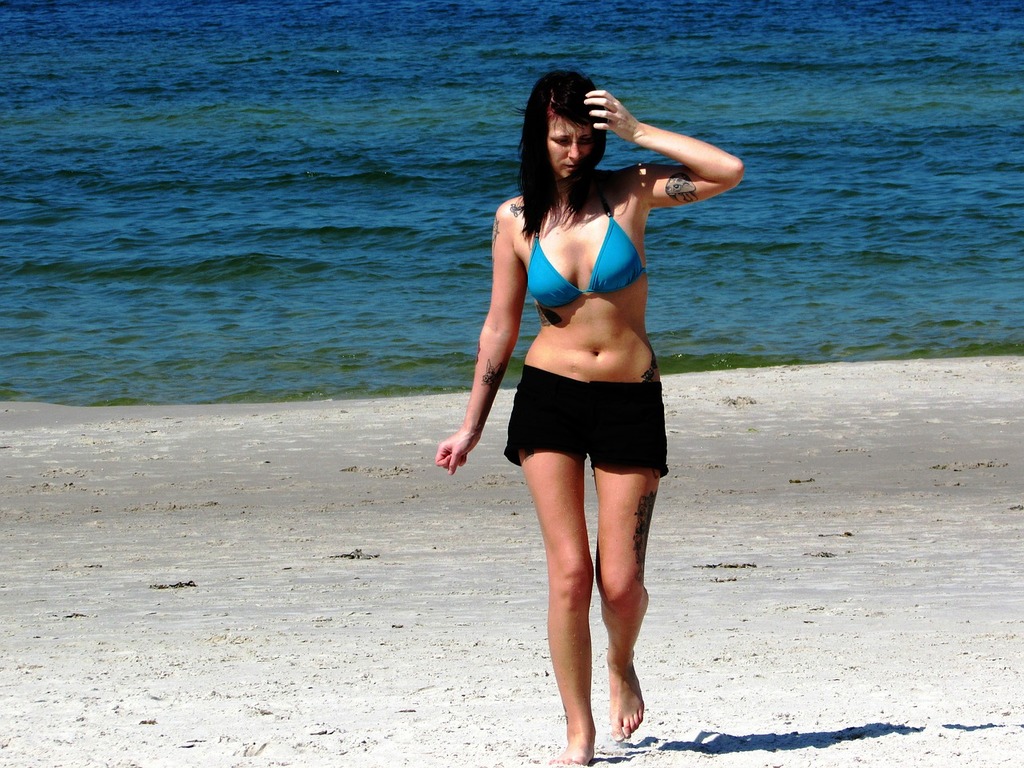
(508, 224)
(511, 209)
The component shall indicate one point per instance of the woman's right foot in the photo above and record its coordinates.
(580, 750)
(575, 756)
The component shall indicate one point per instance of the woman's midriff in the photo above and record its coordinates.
(594, 344)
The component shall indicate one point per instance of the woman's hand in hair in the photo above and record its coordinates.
(613, 115)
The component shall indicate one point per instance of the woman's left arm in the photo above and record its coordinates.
(706, 170)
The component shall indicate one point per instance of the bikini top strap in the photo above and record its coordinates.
(604, 202)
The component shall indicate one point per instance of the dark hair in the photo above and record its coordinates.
(556, 93)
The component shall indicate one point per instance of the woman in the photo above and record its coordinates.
(590, 385)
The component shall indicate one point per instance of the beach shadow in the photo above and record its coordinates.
(710, 743)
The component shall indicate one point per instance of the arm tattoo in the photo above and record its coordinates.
(547, 316)
(643, 527)
(681, 187)
(494, 232)
(494, 374)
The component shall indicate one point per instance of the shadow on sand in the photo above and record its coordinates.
(709, 743)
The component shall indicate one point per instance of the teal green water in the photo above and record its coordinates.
(291, 200)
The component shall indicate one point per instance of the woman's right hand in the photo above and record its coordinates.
(453, 452)
(497, 337)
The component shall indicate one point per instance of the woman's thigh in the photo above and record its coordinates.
(626, 498)
(556, 483)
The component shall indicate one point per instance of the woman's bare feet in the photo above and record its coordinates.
(627, 702)
(574, 757)
(580, 750)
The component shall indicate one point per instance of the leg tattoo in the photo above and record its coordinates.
(643, 527)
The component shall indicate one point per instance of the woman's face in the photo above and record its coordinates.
(568, 145)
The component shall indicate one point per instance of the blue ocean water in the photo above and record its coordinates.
(256, 201)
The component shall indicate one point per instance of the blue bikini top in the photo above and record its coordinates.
(617, 266)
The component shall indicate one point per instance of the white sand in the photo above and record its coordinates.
(881, 503)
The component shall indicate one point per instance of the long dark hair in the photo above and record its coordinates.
(556, 93)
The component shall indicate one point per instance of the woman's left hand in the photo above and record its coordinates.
(616, 117)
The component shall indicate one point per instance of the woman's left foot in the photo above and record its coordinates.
(627, 702)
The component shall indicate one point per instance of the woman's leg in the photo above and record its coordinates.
(625, 505)
(556, 484)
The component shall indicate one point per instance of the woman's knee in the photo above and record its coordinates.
(571, 579)
(623, 593)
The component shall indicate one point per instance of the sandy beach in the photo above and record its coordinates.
(835, 571)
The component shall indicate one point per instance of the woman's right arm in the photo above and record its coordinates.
(497, 338)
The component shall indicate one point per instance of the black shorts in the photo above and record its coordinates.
(613, 422)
